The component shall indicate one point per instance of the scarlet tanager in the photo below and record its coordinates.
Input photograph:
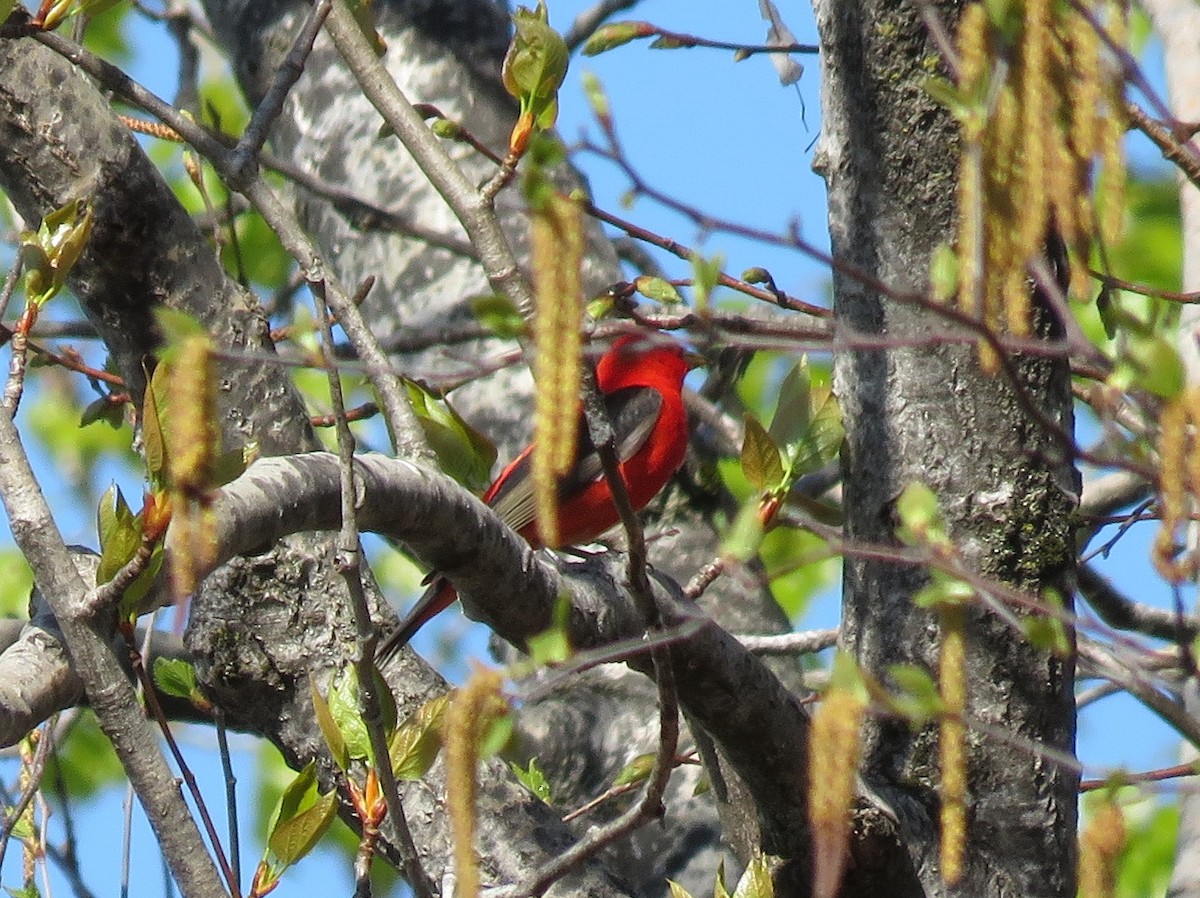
(641, 383)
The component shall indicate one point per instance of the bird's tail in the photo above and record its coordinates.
(438, 596)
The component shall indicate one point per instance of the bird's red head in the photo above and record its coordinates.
(643, 360)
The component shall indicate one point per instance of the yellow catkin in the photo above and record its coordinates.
(557, 257)
(952, 742)
(1037, 131)
(153, 129)
(193, 448)
(1100, 847)
(192, 416)
(973, 60)
(1002, 218)
(1112, 133)
(1086, 84)
(466, 720)
(834, 746)
(1190, 565)
(1172, 486)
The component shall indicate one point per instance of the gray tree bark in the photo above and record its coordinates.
(1005, 485)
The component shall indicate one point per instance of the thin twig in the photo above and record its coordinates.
(251, 142)
(350, 566)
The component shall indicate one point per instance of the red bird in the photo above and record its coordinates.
(641, 382)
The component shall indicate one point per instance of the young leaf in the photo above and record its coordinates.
(821, 444)
(174, 676)
(532, 778)
(942, 590)
(615, 34)
(919, 698)
(678, 891)
(635, 771)
(345, 706)
(593, 89)
(533, 71)
(301, 817)
(706, 274)
(463, 452)
(415, 745)
(553, 645)
(51, 253)
(329, 728)
(500, 315)
(154, 443)
(295, 837)
(119, 532)
(742, 541)
(657, 289)
(756, 881)
(762, 464)
(920, 519)
(793, 412)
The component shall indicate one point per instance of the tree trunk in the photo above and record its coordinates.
(926, 412)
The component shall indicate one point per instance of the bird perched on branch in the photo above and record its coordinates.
(641, 383)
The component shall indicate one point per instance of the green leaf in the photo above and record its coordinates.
(742, 541)
(553, 645)
(51, 252)
(533, 779)
(535, 65)
(174, 676)
(345, 706)
(497, 736)
(917, 697)
(942, 590)
(678, 891)
(636, 771)
(415, 745)
(1151, 362)
(943, 272)
(657, 289)
(86, 761)
(593, 90)
(463, 452)
(294, 838)
(821, 444)
(16, 583)
(154, 444)
(793, 411)
(615, 34)
(500, 315)
(920, 519)
(1047, 631)
(706, 274)
(756, 881)
(96, 7)
(846, 676)
(719, 890)
(119, 532)
(177, 326)
(102, 409)
(329, 728)
(301, 818)
(761, 462)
